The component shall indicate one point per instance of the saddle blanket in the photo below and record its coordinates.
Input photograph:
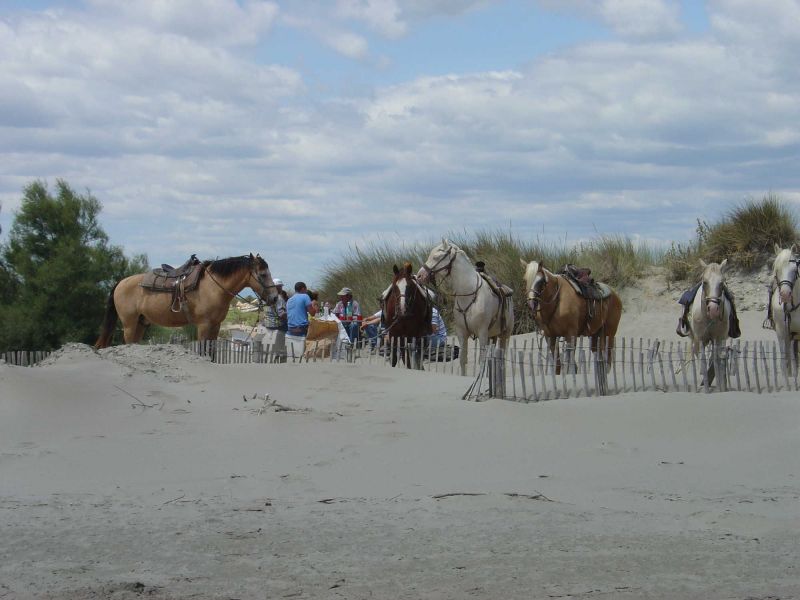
(157, 281)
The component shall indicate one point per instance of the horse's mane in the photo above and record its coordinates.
(781, 260)
(229, 266)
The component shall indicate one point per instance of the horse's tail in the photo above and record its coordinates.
(109, 322)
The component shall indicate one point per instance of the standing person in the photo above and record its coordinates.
(298, 307)
(348, 311)
(275, 320)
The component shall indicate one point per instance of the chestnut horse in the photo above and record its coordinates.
(206, 306)
(561, 312)
(407, 312)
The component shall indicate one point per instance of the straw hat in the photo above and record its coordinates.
(345, 291)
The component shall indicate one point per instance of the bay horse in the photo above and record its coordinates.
(479, 311)
(710, 312)
(784, 301)
(559, 311)
(206, 306)
(407, 313)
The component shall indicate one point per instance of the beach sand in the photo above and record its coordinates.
(149, 472)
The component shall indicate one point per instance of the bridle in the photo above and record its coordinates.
(254, 274)
(395, 291)
(535, 300)
(452, 253)
(789, 282)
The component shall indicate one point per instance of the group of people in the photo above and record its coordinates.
(290, 315)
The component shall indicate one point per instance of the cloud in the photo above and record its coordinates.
(632, 19)
(216, 21)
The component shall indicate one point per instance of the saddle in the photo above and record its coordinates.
(176, 281)
(501, 290)
(580, 278)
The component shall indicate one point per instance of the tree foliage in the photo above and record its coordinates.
(59, 267)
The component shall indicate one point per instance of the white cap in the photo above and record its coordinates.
(277, 281)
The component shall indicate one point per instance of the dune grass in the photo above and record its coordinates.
(745, 235)
(368, 270)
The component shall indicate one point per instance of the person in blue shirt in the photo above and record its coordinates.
(298, 307)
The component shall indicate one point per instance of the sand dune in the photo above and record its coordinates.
(149, 472)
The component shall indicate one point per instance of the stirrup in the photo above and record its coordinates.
(682, 329)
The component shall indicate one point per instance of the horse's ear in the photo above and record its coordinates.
(445, 241)
(723, 264)
(251, 255)
(523, 263)
(703, 263)
(778, 249)
(794, 248)
(395, 270)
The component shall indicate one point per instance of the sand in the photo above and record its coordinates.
(148, 472)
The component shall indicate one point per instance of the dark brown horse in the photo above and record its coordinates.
(407, 312)
(561, 312)
(206, 306)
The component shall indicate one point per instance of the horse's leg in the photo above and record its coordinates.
(463, 352)
(133, 332)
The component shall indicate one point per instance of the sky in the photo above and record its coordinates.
(302, 128)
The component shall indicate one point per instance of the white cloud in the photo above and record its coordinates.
(635, 19)
(216, 21)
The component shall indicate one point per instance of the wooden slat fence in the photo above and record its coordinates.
(531, 375)
(24, 358)
(437, 358)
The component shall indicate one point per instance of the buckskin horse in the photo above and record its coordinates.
(205, 306)
(560, 311)
(407, 312)
(479, 311)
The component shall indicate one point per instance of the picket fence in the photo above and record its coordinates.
(530, 374)
(436, 358)
(24, 358)
(526, 372)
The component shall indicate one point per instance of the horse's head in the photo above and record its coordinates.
(535, 279)
(261, 280)
(713, 287)
(439, 260)
(784, 272)
(403, 288)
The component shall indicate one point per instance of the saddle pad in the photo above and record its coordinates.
(157, 282)
(599, 291)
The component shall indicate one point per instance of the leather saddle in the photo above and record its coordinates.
(582, 281)
(176, 281)
(501, 290)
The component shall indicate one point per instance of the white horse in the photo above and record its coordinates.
(479, 313)
(785, 300)
(710, 312)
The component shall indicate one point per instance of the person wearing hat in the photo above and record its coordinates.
(349, 312)
(275, 320)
